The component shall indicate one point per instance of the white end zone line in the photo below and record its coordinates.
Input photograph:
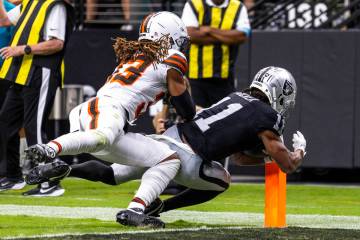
(224, 218)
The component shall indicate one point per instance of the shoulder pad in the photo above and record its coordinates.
(177, 60)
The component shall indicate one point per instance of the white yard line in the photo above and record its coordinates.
(226, 218)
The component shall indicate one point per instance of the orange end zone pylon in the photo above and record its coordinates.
(275, 196)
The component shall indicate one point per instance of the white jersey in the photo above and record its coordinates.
(136, 85)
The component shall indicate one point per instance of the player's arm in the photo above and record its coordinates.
(201, 36)
(43, 48)
(56, 31)
(229, 37)
(245, 159)
(179, 95)
(48, 47)
(288, 161)
(234, 36)
(159, 120)
(197, 36)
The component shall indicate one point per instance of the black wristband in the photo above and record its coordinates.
(184, 105)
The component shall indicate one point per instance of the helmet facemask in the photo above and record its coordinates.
(183, 43)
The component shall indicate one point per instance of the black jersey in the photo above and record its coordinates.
(231, 125)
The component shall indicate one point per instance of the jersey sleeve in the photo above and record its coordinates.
(189, 16)
(55, 25)
(242, 22)
(14, 14)
(269, 119)
(177, 61)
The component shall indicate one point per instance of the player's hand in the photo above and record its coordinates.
(160, 126)
(299, 141)
(205, 29)
(7, 52)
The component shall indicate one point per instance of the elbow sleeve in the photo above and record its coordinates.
(184, 105)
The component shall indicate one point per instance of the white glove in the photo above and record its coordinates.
(299, 141)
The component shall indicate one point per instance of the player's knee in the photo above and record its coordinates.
(167, 168)
(74, 119)
(174, 160)
(219, 175)
(105, 137)
(174, 156)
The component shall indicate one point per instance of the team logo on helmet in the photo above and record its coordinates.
(287, 89)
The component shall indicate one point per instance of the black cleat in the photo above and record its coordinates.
(132, 217)
(40, 153)
(47, 189)
(11, 184)
(155, 208)
(53, 171)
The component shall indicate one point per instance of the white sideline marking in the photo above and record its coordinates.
(226, 218)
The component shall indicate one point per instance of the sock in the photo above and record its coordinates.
(93, 171)
(137, 203)
(189, 197)
(153, 182)
(82, 142)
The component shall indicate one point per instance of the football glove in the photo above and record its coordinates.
(299, 141)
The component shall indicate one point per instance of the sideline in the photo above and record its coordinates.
(224, 218)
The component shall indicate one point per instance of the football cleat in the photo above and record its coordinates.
(155, 208)
(47, 189)
(11, 184)
(53, 171)
(40, 153)
(136, 217)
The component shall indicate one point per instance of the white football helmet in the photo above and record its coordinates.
(279, 86)
(159, 24)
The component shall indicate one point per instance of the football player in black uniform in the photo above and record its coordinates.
(247, 125)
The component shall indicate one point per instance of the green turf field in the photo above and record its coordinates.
(90, 208)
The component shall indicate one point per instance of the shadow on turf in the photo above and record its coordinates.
(228, 234)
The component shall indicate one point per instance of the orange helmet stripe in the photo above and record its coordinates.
(145, 22)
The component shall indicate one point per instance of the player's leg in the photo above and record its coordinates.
(11, 120)
(113, 174)
(204, 180)
(153, 183)
(212, 181)
(188, 197)
(162, 165)
(38, 101)
(91, 170)
(99, 122)
(135, 149)
(156, 162)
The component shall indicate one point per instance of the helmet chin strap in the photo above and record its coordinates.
(274, 99)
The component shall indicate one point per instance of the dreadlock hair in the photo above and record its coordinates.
(154, 51)
(256, 93)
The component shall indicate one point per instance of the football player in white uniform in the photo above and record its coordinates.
(241, 124)
(148, 68)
